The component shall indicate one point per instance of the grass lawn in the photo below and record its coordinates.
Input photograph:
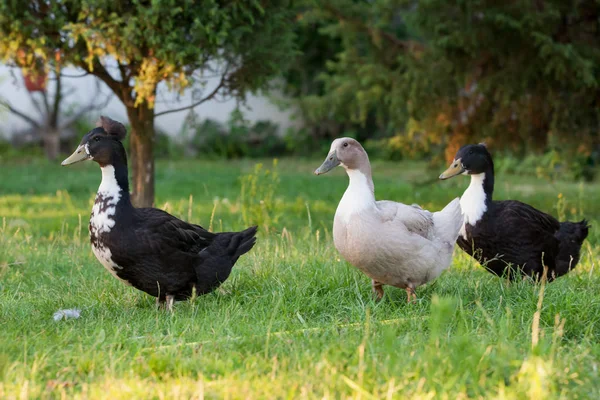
(293, 320)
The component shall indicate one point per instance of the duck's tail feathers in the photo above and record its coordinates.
(573, 231)
(218, 258)
(448, 222)
(571, 236)
(242, 242)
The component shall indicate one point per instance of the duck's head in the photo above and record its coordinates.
(471, 159)
(102, 144)
(346, 152)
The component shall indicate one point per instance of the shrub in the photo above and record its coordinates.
(236, 139)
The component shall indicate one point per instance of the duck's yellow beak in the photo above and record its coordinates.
(80, 154)
(456, 168)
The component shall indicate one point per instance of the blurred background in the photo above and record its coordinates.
(409, 79)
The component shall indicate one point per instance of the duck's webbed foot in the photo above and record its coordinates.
(377, 289)
(410, 294)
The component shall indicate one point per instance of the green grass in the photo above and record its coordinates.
(293, 320)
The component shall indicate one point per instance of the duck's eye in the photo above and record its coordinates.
(97, 139)
(346, 144)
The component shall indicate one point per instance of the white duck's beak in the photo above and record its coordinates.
(330, 163)
(80, 154)
(456, 168)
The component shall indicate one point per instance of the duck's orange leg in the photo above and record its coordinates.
(410, 294)
(377, 289)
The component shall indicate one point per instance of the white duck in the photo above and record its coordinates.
(392, 243)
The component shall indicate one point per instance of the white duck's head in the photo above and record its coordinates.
(348, 153)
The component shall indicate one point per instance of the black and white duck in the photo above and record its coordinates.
(148, 248)
(508, 235)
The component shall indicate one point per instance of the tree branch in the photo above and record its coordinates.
(20, 114)
(53, 114)
(35, 103)
(44, 94)
(212, 94)
(90, 107)
(101, 73)
(85, 110)
(75, 76)
(125, 77)
(70, 90)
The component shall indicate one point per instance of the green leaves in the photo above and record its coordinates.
(523, 73)
(161, 41)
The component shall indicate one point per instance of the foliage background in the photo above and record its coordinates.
(410, 79)
(422, 76)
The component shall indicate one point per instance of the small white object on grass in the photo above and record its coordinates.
(67, 314)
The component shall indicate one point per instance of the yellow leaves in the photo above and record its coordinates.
(152, 71)
(102, 44)
(21, 56)
(98, 45)
(146, 81)
(535, 378)
(443, 119)
(40, 54)
(25, 52)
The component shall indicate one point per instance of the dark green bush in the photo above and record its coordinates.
(236, 139)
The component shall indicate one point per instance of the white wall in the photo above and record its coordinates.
(13, 89)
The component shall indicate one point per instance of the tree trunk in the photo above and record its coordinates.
(141, 143)
(51, 141)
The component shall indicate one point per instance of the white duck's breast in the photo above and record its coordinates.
(388, 252)
(357, 202)
(354, 243)
(109, 193)
(104, 255)
(357, 197)
(472, 202)
(102, 219)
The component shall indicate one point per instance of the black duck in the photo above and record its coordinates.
(148, 248)
(507, 235)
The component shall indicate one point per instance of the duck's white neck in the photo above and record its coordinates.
(109, 193)
(359, 195)
(109, 184)
(473, 202)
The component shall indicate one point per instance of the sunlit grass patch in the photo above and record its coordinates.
(293, 320)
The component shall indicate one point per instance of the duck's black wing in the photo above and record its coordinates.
(523, 234)
(165, 233)
(156, 252)
(165, 255)
(514, 212)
